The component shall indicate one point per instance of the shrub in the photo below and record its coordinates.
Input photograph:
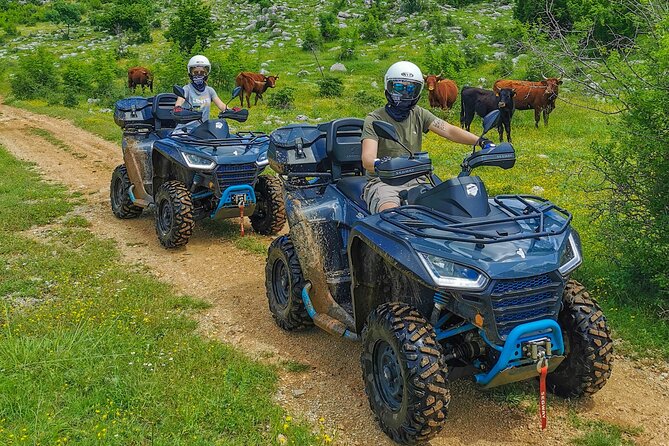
(330, 87)
(370, 27)
(349, 42)
(447, 59)
(283, 99)
(411, 6)
(191, 25)
(473, 55)
(131, 17)
(37, 75)
(312, 39)
(70, 99)
(103, 74)
(328, 26)
(368, 99)
(511, 35)
(68, 14)
(225, 66)
(170, 70)
(76, 76)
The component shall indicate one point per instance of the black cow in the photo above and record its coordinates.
(480, 101)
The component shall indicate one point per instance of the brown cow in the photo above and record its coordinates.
(253, 83)
(539, 96)
(442, 92)
(140, 76)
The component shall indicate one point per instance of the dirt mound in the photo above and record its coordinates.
(232, 281)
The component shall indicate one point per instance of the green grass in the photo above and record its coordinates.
(601, 433)
(295, 366)
(93, 351)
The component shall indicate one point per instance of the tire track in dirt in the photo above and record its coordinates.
(232, 280)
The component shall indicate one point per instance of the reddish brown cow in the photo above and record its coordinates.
(442, 92)
(539, 96)
(253, 83)
(140, 76)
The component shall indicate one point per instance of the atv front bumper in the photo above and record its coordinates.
(234, 197)
(520, 354)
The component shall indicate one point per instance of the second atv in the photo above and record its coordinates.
(451, 284)
(199, 170)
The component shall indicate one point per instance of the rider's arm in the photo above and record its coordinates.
(220, 104)
(179, 102)
(370, 148)
(455, 134)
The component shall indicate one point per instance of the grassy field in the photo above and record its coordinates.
(93, 351)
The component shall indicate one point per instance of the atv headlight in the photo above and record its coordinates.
(198, 162)
(571, 257)
(448, 274)
(262, 159)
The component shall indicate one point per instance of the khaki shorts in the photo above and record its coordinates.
(376, 192)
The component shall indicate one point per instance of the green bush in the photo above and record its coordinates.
(411, 6)
(330, 87)
(369, 100)
(370, 27)
(328, 26)
(77, 76)
(191, 25)
(438, 23)
(226, 65)
(447, 59)
(36, 75)
(127, 17)
(282, 99)
(349, 42)
(70, 99)
(511, 35)
(170, 70)
(312, 39)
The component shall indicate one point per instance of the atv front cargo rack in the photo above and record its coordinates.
(425, 222)
(243, 138)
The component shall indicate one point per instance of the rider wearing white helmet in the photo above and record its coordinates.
(198, 93)
(403, 86)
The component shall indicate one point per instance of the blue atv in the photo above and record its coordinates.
(451, 284)
(190, 170)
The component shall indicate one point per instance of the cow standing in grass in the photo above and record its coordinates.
(481, 102)
(537, 96)
(253, 83)
(140, 76)
(442, 92)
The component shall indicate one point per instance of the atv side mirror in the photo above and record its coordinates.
(179, 91)
(385, 130)
(491, 120)
(236, 92)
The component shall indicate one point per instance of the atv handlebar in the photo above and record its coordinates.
(239, 115)
(184, 116)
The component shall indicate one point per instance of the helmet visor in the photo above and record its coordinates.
(404, 89)
(199, 71)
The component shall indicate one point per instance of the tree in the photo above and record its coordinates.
(127, 17)
(66, 13)
(191, 25)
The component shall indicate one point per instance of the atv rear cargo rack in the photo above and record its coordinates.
(422, 221)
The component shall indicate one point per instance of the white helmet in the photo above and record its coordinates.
(403, 81)
(199, 61)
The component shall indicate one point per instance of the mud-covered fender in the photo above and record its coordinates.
(380, 261)
(168, 163)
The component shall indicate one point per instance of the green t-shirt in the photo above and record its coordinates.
(410, 131)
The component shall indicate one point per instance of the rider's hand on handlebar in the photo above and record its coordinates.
(178, 109)
(485, 143)
(379, 161)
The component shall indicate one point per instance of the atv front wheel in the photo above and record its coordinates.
(174, 214)
(284, 283)
(405, 373)
(269, 216)
(588, 345)
(121, 203)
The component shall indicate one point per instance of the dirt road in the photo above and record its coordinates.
(232, 280)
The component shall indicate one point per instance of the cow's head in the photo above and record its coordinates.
(505, 98)
(552, 84)
(270, 81)
(431, 81)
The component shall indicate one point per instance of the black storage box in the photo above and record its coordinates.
(297, 148)
(134, 112)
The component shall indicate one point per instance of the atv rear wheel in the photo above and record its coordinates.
(174, 214)
(284, 283)
(269, 216)
(405, 373)
(588, 345)
(119, 195)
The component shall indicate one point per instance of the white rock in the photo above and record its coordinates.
(343, 25)
(537, 190)
(303, 73)
(338, 67)
(302, 118)
(375, 84)
(264, 71)
(401, 19)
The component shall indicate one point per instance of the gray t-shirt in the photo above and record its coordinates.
(410, 131)
(200, 101)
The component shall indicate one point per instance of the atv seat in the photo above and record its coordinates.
(163, 104)
(351, 187)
